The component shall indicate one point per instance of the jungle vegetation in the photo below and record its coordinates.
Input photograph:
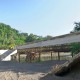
(10, 37)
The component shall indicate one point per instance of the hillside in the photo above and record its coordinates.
(10, 37)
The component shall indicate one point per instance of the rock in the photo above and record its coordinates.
(63, 69)
(60, 70)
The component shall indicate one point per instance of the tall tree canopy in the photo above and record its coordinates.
(77, 27)
(10, 37)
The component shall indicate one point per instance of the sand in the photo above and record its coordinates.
(32, 71)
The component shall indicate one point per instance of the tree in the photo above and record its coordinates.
(48, 37)
(31, 38)
(10, 37)
(75, 48)
(77, 27)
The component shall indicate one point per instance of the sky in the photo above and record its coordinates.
(40, 17)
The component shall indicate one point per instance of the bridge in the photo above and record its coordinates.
(56, 44)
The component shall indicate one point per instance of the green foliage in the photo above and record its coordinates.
(77, 27)
(48, 37)
(11, 46)
(34, 38)
(31, 38)
(10, 37)
(75, 48)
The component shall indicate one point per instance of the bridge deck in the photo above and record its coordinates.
(57, 44)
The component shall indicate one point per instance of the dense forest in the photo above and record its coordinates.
(10, 37)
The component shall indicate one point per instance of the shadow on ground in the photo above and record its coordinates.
(29, 68)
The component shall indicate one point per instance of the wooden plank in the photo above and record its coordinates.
(39, 56)
(58, 55)
(19, 57)
(51, 55)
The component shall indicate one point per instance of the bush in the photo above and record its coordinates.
(75, 48)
